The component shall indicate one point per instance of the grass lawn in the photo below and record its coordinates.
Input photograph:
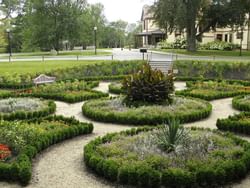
(38, 66)
(62, 53)
(207, 52)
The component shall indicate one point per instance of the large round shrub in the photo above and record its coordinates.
(242, 103)
(148, 85)
(115, 111)
(208, 159)
(25, 108)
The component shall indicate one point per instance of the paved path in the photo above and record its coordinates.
(61, 166)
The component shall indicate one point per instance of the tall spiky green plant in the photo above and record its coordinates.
(172, 135)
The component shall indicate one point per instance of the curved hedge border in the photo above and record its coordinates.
(113, 88)
(21, 115)
(219, 95)
(237, 104)
(111, 117)
(235, 123)
(21, 169)
(70, 98)
(146, 176)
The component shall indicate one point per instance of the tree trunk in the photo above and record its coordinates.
(191, 37)
(248, 34)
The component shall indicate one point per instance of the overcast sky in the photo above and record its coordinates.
(127, 10)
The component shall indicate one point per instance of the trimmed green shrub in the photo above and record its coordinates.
(242, 103)
(116, 88)
(49, 108)
(114, 111)
(27, 138)
(213, 171)
(238, 123)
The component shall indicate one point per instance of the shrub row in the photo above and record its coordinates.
(21, 169)
(240, 105)
(144, 175)
(112, 117)
(22, 115)
(66, 97)
(239, 123)
(213, 69)
(115, 89)
(210, 96)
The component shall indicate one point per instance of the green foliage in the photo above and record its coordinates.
(211, 171)
(149, 86)
(26, 139)
(238, 123)
(116, 88)
(242, 103)
(114, 111)
(172, 135)
(212, 69)
(219, 45)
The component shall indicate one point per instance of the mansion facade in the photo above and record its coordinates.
(151, 34)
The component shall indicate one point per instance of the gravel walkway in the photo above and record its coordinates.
(61, 166)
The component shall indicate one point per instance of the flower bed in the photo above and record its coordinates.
(239, 123)
(65, 91)
(26, 139)
(116, 88)
(211, 90)
(114, 111)
(5, 152)
(132, 157)
(25, 108)
(242, 103)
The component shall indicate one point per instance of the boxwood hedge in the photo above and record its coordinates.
(239, 123)
(22, 115)
(144, 175)
(20, 169)
(242, 103)
(92, 111)
(116, 88)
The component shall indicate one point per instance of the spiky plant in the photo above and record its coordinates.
(172, 135)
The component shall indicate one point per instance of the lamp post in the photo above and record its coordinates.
(9, 40)
(95, 30)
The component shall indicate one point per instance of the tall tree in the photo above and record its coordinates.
(197, 16)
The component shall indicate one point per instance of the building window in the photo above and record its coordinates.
(226, 38)
(219, 37)
(231, 38)
(240, 35)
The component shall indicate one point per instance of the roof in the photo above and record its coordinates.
(146, 13)
(155, 32)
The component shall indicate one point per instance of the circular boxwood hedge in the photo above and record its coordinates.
(116, 88)
(25, 108)
(114, 111)
(120, 157)
(242, 103)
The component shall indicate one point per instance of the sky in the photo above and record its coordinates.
(127, 10)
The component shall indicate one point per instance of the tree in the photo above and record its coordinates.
(197, 16)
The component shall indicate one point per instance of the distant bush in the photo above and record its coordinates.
(219, 45)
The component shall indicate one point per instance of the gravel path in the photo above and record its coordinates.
(61, 166)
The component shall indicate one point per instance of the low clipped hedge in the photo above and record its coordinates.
(115, 88)
(209, 96)
(21, 168)
(68, 97)
(22, 115)
(240, 104)
(141, 119)
(145, 175)
(239, 123)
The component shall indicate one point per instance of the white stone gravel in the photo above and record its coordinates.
(61, 165)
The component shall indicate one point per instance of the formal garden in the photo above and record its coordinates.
(148, 143)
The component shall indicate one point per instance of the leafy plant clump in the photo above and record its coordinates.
(148, 86)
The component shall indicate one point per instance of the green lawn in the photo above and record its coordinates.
(207, 52)
(62, 53)
(38, 66)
